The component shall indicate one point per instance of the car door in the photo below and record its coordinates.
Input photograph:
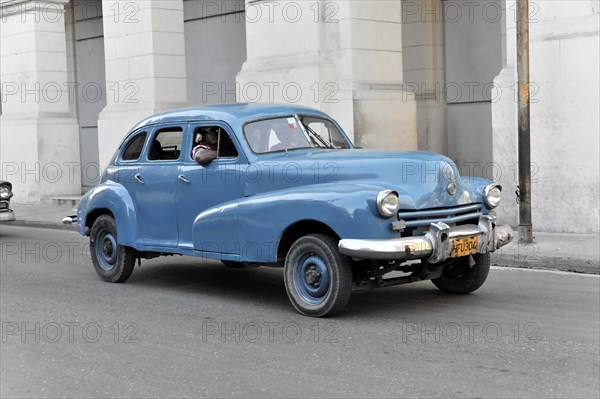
(202, 187)
(153, 185)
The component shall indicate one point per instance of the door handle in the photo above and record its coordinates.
(183, 179)
(138, 177)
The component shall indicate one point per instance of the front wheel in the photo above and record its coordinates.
(462, 277)
(113, 263)
(318, 279)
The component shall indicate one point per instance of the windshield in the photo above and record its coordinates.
(293, 133)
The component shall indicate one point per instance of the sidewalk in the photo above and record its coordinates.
(42, 215)
(566, 252)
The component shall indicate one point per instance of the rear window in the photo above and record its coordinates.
(166, 145)
(134, 148)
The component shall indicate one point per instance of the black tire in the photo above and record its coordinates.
(113, 263)
(233, 264)
(459, 278)
(318, 279)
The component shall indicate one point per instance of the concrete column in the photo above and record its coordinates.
(145, 66)
(423, 46)
(344, 57)
(504, 119)
(39, 138)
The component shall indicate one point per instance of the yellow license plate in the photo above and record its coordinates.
(464, 246)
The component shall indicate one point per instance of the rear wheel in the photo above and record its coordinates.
(318, 279)
(114, 263)
(460, 277)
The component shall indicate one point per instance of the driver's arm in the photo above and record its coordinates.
(204, 157)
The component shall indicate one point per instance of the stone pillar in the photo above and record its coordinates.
(39, 140)
(343, 57)
(423, 47)
(145, 66)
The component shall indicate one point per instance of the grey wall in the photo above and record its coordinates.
(215, 48)
(92, 91)
(473, 57)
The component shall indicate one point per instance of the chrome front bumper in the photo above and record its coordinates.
(435, 246)
(7, 216)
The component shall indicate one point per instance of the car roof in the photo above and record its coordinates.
(233, 113)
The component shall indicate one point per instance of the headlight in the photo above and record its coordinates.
(387, 203)
(492, 194)
(4, 192)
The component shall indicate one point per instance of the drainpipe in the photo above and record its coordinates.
(525, 226)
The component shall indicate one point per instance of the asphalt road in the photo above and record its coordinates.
(181, 327)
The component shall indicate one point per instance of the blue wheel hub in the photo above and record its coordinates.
(311, 278)
(106, 250)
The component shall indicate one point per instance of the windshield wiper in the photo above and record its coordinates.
(313, 134)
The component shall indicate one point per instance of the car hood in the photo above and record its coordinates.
(422, 180)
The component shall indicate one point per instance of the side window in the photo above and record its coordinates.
(134, 148)
(166, 145)
(217, 138)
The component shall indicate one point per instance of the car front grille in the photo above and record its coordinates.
(3, 205)
(420, 220)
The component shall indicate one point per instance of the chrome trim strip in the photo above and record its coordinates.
(439, 212)
(450, 220)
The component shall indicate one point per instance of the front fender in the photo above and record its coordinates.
(116, 199)
(253, 226)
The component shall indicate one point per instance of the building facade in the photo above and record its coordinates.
(424, 74)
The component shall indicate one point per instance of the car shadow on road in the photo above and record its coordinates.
(247, 284)
(411, 300)
(266, 285)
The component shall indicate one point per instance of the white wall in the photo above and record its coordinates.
(564, 65)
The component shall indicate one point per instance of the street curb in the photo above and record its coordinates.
(572, 265)
(42, 225)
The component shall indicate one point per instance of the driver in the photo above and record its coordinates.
(206, 150)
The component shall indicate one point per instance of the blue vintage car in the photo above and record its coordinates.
(289, 189)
